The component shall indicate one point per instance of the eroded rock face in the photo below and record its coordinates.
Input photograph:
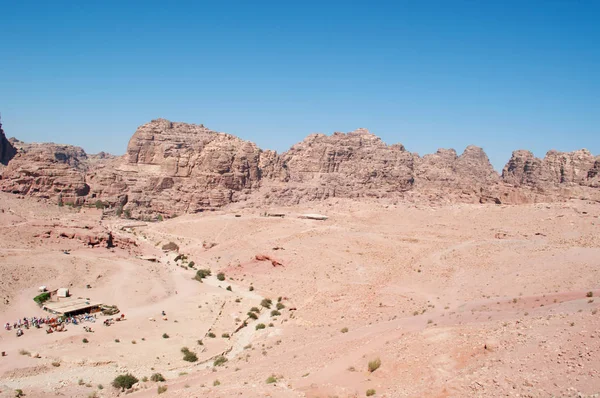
(175, 168)
(7, 151)
(47, 170)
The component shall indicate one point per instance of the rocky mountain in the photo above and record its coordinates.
(7, 151)
(174, 168)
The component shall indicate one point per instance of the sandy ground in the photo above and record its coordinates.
(456, 301)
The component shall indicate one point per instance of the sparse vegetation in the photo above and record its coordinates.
(157, 377)
(275, 313)
(280, 306)
(252, 315)
(211, 335)
(590, 294)
(225, 335)
(370, 392)
(219, 361)
(201, 274)
(162, 389)
(165, 336)
(221, 276)
(42, 298)
(24, 352)
(85, 341)
(188, 355)
(344, 330)
(271, 379)
(200, 342)
(374, 365)
(216, 383)
(228, 288)
(56, 364)
(260, 326)
(19, 393)
(251, 288)
(266, 303)
(171, 246)
(124, 382)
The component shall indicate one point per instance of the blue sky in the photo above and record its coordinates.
(503, 75)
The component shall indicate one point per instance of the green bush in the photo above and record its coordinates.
(344, 330)
(374, 365)
(254, 309)
(280, 306)
(85, 340)
(275, 313)
(162, 389)
(42, 298)
(190, 356)
(211, 335)
(125, 381)
(266, 303)
(157, 377)
(225, 335)
(271, 379)
(201, 274)
(165, 336)
(221, 276)
(252, 315)
(229, 287)
(260, 326)
(370, 392)
(219, 361)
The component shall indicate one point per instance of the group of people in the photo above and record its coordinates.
(54, 324)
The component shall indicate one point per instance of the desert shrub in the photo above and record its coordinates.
(219, 361)
(229, 288)
(145, 378)
(162, 389)
(266, 303)
(125, 381)
(85, 341)
(279, 299)
(252, 315)
(216, 383)
(221, 276)
(275, 313)
(100, 387)
(157, 377)
(201, 274)
(271, 379)
(271, 325)
(225, 335)
(24, 352)
(370, 392)
(159, 217)
(19, 393)
(165, 336)
(42, 298)
(280, 306)
(200, 342)
(190, 356)
(171, 246)
(374, 365)
(254, 309)
(56, 364)
(344, 330)
(211, 335)
(117, 341)
(590, 294)
(251, 288)
(260, 326)
(127, 213)
(191, 264)
(99, 204)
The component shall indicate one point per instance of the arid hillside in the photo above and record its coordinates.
(454, 300)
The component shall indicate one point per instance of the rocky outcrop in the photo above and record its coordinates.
(174, 168)
(7, 151)
(47, 170)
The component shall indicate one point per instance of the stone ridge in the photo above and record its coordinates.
(173, 168)
(7, 151)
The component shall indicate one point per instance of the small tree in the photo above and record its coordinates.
(125, 381)
(221, 276)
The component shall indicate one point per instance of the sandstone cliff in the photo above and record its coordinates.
(7, 151)
(174, 168)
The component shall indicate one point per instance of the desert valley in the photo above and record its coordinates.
(344, 267)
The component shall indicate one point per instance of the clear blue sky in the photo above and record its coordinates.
(503, 75)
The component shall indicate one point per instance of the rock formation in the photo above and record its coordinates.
(174, 168)
(7, 151)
